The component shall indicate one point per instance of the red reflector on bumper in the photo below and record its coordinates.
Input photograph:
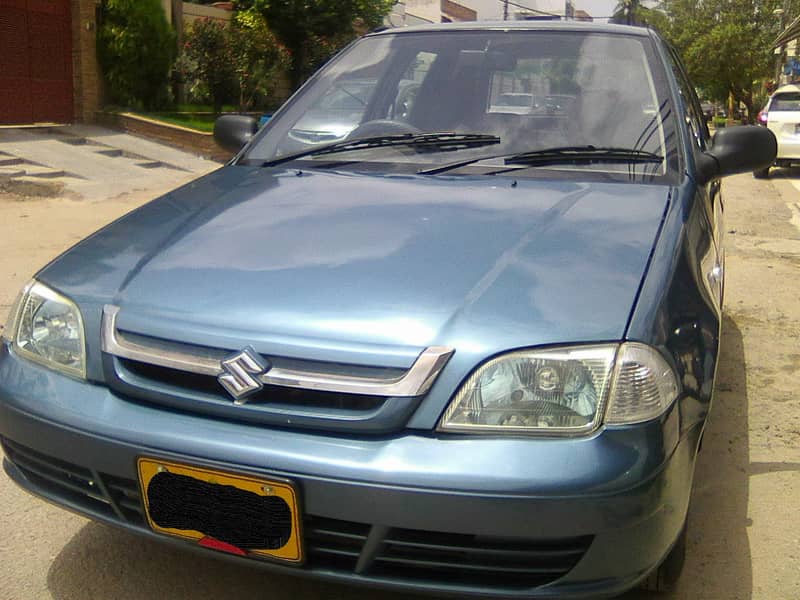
(214, 544)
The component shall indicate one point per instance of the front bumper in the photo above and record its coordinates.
(610, 505)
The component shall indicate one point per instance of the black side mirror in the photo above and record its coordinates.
(737, 150)
(234, 131)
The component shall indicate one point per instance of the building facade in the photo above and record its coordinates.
(437, 11)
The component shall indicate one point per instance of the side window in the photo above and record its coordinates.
(694, 113)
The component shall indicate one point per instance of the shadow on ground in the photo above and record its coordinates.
(60, 133)
(718, 563)
(101, 562)
(784, 173)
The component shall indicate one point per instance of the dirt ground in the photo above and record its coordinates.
(744, 529)
(37, 224)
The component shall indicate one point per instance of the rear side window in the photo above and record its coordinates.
(786, 101)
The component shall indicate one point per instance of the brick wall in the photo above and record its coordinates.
(87, 83)
(196, 142)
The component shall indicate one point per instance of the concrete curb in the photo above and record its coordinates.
(190, 140)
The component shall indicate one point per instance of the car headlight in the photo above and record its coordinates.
(9, 328)
(563, 390)
(47, 328)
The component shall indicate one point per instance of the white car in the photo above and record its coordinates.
(782, 116)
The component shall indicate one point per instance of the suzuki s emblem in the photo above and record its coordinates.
(240, 374)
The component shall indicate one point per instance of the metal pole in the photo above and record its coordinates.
(781, 12)
(505, 10)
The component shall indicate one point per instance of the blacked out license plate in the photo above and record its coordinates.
(230, 512)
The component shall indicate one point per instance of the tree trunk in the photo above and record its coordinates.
(748, 102)
(745, 97)
(730, 108)
(297, 69)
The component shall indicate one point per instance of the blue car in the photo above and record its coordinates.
(461, 350)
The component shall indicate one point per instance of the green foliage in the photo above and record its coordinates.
(625, 13)
(210, 60)
(760, 97)
(238, 62)
(312, 30)
(727, 44)
(136, 48)
(631, 12)
(259, 60)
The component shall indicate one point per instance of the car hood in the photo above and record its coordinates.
(366, 269)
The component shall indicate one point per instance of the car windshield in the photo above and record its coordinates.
(534, 90)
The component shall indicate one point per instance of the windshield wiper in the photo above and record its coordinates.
(421, 142)
(567, 154)
(557, 156)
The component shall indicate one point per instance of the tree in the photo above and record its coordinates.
(625, 12)
(258, 59)
(210, 57)
(135, 48)
(727, 44)
(632, 12)
(240, 61)
(312, 30)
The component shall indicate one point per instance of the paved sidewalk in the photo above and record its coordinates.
(92, 163)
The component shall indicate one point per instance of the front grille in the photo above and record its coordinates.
(125, 494)
(477, 560)
(274, 404)
(332, 544)
(335, 546)
(272, 395)
(78, 487)
(299, 392)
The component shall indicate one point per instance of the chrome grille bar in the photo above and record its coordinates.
(414, 382)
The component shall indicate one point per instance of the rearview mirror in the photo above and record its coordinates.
(737, 150)
(234, 131)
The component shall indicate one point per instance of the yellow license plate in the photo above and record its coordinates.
(230, 512)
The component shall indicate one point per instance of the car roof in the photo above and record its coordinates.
(576, 26)
(787, 88)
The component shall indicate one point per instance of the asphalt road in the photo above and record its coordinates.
(744, 533)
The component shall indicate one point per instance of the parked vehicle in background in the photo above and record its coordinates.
(736, 115)
(456, 351)
(782, 116)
